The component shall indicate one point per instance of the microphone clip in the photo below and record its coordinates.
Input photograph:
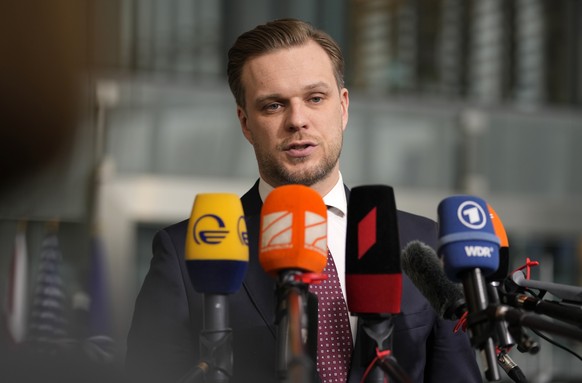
(294, 282)
(310, 278)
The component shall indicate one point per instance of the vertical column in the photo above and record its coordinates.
(372, 55)
(486, 52)
(451, 48)
(404, 69)
(529, 54)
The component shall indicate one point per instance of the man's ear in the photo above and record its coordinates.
(344, 105)
(242, 119)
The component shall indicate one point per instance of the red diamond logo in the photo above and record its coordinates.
(366, 233)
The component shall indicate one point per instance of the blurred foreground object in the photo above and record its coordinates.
(43, 55)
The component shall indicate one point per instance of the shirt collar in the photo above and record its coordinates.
(336, 198)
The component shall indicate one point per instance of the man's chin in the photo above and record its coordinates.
(305, 176)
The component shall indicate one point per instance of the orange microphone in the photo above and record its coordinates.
(498, 227)
(503, 269)
(503, 338)
(293, 249)
(293, 234)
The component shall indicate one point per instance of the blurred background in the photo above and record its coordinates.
(115, 114)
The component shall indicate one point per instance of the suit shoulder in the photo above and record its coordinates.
(177, 228)
(416, 227)
(416, 219)
(174, 233)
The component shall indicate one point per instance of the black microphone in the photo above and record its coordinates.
(571, 294)
(374, 278)
(552, 309)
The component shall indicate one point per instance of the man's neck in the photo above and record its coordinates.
(265, 188)
(322, 187)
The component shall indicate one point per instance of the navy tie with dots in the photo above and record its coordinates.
(334, 343)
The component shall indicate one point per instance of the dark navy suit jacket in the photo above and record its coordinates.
(163, 341)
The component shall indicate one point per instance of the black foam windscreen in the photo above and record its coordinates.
(420, 262)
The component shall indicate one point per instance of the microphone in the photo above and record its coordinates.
(571, 294)
(552, 309)
(293, 235)
(422, 265)
(293, 249)
(503, 269)
(374, 277)
(470, 252)
(502, 335)
(216, 257)
(511, 368)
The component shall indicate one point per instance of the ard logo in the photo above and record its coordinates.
(472, 215)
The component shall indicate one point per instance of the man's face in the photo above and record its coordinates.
(295, 116)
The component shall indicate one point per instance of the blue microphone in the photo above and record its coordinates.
(470, 252)
(467, 239)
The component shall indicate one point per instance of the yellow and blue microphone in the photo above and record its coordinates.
(217, 251)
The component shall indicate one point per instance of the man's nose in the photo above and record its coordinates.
(297, 116)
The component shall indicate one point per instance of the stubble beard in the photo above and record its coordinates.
(277, 175)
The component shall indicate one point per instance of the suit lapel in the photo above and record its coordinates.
(259, 286)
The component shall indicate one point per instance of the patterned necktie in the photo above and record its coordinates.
(334, 343)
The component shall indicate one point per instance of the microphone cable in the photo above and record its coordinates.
(555, 343)
(510, 367)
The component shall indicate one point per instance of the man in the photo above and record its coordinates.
(287, 80)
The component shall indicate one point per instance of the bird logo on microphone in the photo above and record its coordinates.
(472, 215)
(209, 229)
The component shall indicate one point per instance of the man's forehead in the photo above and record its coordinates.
(287, 68)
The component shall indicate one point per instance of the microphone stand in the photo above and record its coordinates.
(293, 363)
(549, 308)
(516, 317)
(378, 329)
(481, 332)
(216, 359)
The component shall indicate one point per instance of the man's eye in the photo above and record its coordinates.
(317, 99)
(272, 107)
